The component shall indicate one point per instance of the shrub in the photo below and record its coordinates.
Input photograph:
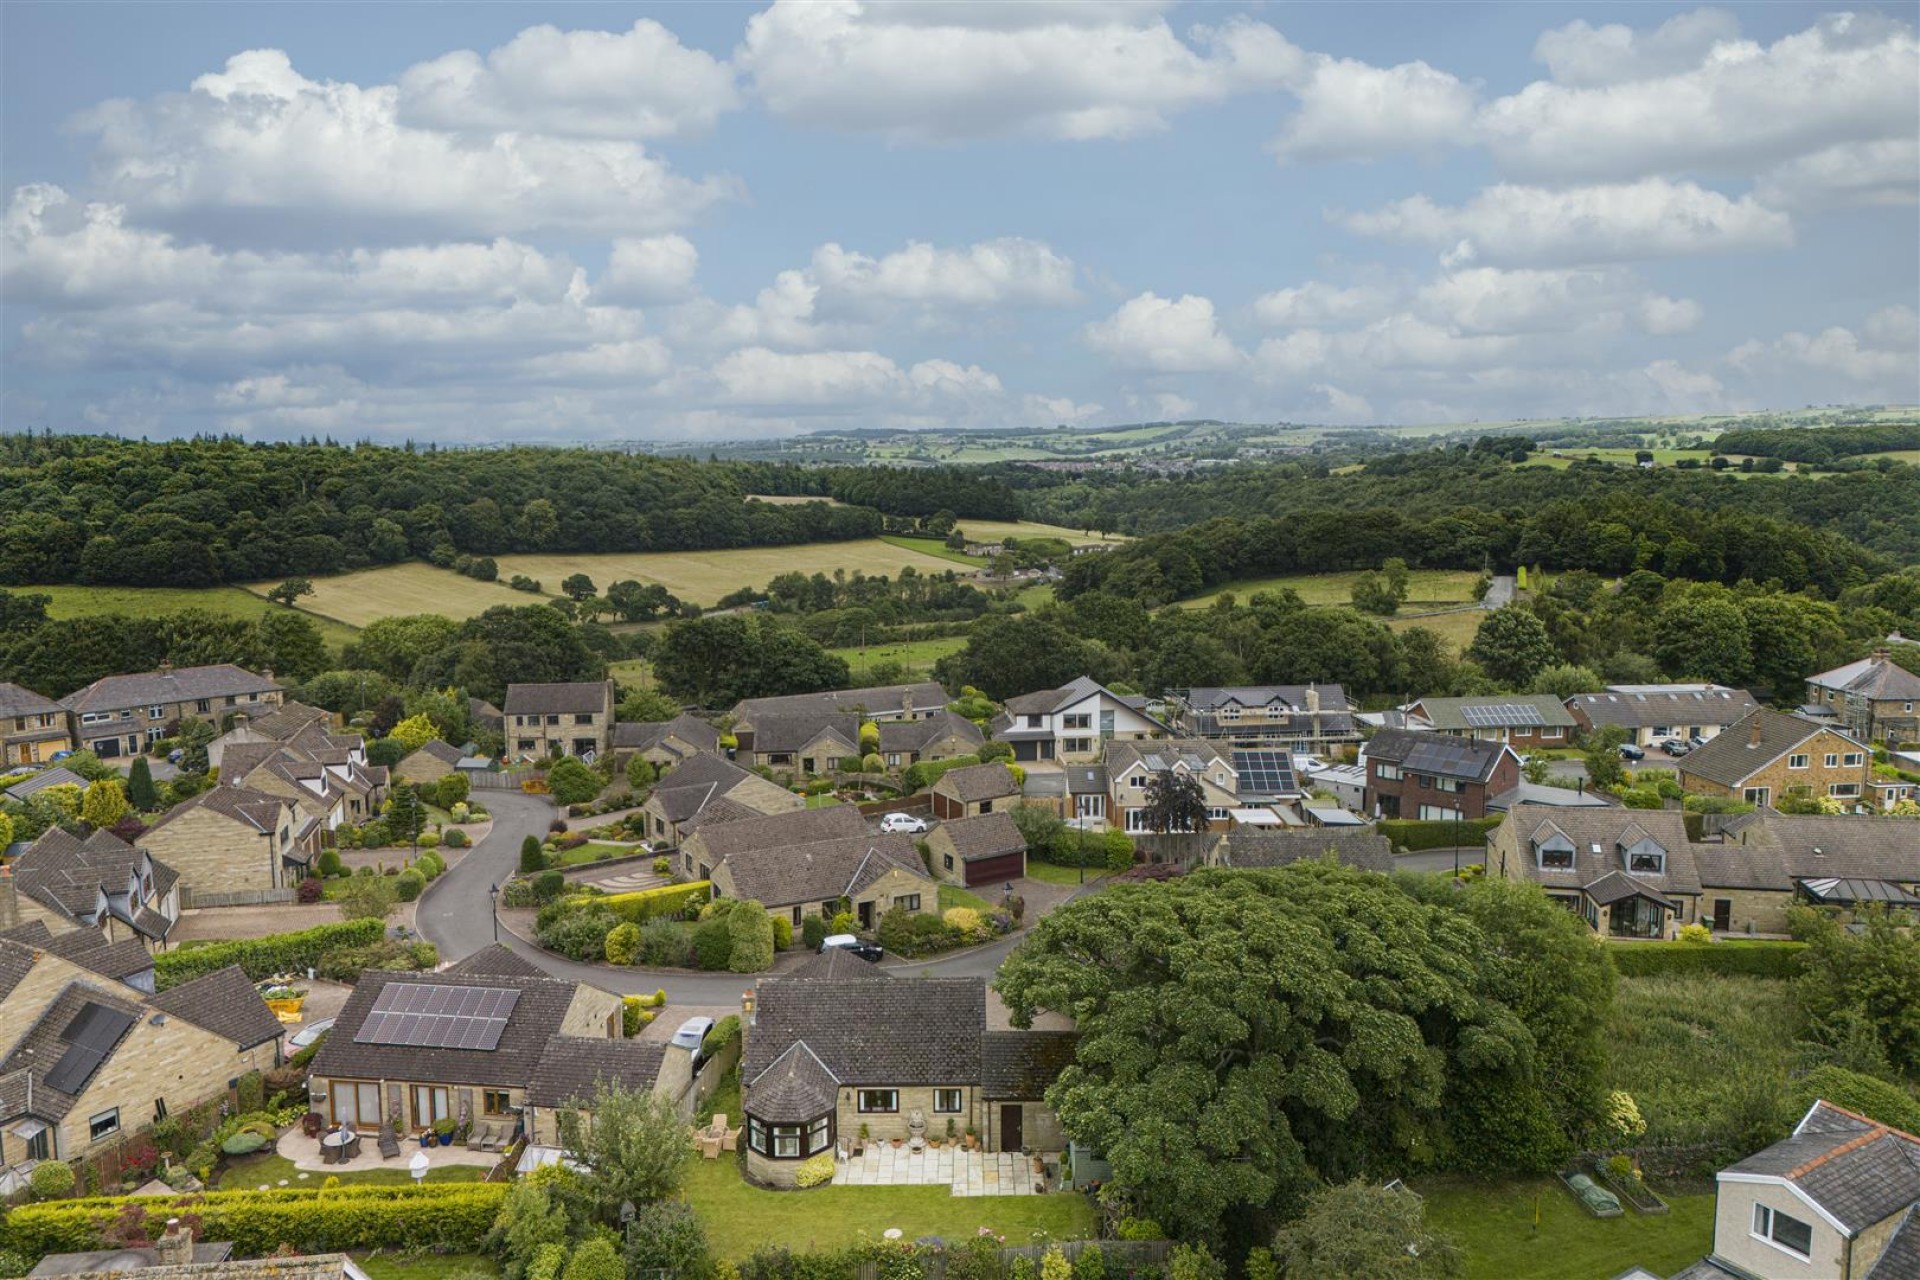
(329, 863)
(250, 1092)
(595, 1259)
(813, 931)
(244, 1143)
(664, 943)
(663, 866)
(311, 890)
(1119, 851)
(782, 933)
(631, 1009)
(623, 943)
(1054, 1265)
(844, 922)
(455, 840)
(348, 963)
(751, 931)
(672, 900)
(712, 944)
(920, 776)
(1759, 959)
(966, 922)
(548, 885)
(570, 782)
(547, 1261)
(578, 935)
(814, 1170)
(1414, 834)
(264, 957)
(429, 840)
(532, 860)
(1696, 934)
(51, 1180)
(409, 884)
(1139, 1229)
(722, 1034)
(1870, 1097)
(1092, 1265)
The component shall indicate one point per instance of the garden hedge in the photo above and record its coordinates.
(1753, 959)
(673, 900)
(265, 957)
(444, 1217)
(1414, 834)
(920, 776)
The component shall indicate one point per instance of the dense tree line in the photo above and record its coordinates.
(1821, 444)
(898, 491)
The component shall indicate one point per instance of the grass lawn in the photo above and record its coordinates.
(725, 1100)
(140, 602)
(740, 1218)
(934, 547)
(594, 851)
(1426, 588)
(1455, 629)
(704, 576)
(368, 595)
(1051, 874)
(952, 895)
(917, 656)
(382, 1265)
(1493, 1221)
(825, 800)
(251, 1171)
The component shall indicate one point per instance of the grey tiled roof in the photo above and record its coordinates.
(260, 810)
(790, 731)
(1859, 1171)
(1020, 1065)
(58, 776)
(180, 684)
(783, 875)
(1332, 696)
(1858, 847)
(17, 700)
(795, 1087)
(688, 787)
(67, 874)
(1901, 1258)
(41, 1048)
(1733, 756)
(536, 1018)
(572, 1065)
(497, 959)
(987, 836)
(89, 949)
(878, 700)
(1047, 701)
(446, 753)
(572, 698)
(784, 830)
(16, 958)
(1365, 849)
(1680, 706)
(923, 1032)
(718, 810)
(225, 1003)
(1450, 714)
(1875, 679)
(1609, 829)
(1085, 779)
(917, 735)
(973, 783)
(1445, 754)
(639, 735)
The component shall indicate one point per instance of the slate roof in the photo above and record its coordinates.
(782, 875)
(57, 776)
(973, 783)
(784, 830)
(1645, 706)
(1858, 1170)
(40, 1050)
(1444, 754)
(1085, 779)
(1610, 829)
(986, 836)
(917, 735)
(722, 809)
(879, 700)
(571, 1065)
(496, 959)
(690, 785)
(446, 753)
(1450, 715)
(100, 1262)
(1336, 713)
(634, 735)
(1901, 1258)
(1524, 792)
(18, 700)
(792, 731)
(1366, 849)
(68, 875)
(259, 810)
(176, 684)
(1778, 849)
(90, 950)
(536, 1018)
(796, 1087)
(570, 698)
(225, 1003)
(288, 719)
(906, 1034)
(837, 964)
(16, 958)
(1733, 757)
(1874, 678)
(1046, 701)
(1020, 1065)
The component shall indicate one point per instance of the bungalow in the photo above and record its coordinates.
(86, 1061)
(58, 776)
(124, 715)
(1652, 713)
(804, 742)
(235, 840)
(1629, 873)
(1131, 766)
(176, 1255)
(944, 735)
(572, 1068)
(879, 703)
(974, 789)
(692, 792)
(983, 850)
(1873, 699)
(102, 884)
(433, 761)
(919, 1060)
(664, 743)
(573, 719)
(870, 874)
(1070, 723)
(1837, 1199)
(1435, 776)
(1769, 861)
(277, 726)
(710, 842)
(1767, 755)
(32, 728)
(410, 1049)
(1364, 849)
(1524, 722)
(1301, 717)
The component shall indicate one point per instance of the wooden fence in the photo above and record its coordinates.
(504, 780)
(1120, 1256)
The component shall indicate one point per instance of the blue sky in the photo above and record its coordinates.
(567, 222)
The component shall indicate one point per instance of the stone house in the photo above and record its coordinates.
(872, 874)
(1652, 713)
(127, 961)
(1873, 699)
(974, 789)
(983, 850)
(433, 761)
(717, 836)
(276, 726)
(944, 735)
(232, 840)
(86, 1061)
(664, 743)
(800, 742)
(1765, 862)
(1767, 755)
(1837, 1199)
(32, 728)
(1298, 717)
(570, 1069)
(546, 720)
(1131, 766)
(1435, 776)
(327, 774)
(1629, 873)
(448, 1045)
(176, 1255)
(102, 884)
(1525, 722)
(879, 703)
(58, 776)
(1071, 723)
(918, 1059)
(124, 715)
(706, 788)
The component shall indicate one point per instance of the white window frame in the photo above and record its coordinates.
(103, 1125)
(1844, 790)
(1853, 760)
(957, 1096)
(1764, 1219)
(1756, 795)
(892, 1106)
(1388, 772)
(1806, 760)
(1833, 760)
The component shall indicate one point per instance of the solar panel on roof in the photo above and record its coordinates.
(1265, 773)
(90, 1038)
(1501, 715)
(427, 1016)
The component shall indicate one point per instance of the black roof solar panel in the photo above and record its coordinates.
(427, 1016)
(90, 1037)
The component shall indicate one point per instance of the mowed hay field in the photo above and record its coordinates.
(368, 595)
(704, 576)
(1426, 589)
(998, 530)
(139, 602)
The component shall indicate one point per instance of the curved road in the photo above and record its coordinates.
(456, 915)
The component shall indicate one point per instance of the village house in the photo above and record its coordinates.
(663, 743)
(1131, 766)
(124, 715)
(1436, 776)
(32, 728)
(326, 774)
(919, 1061)
(1629, 873)
(711, 841)
(879, 704)
(571, 1068)
(1874, 699)
(547, 720)
(127, 961)
(868, 875)
(433, 761)
(58, 776)
(102, 884)
(1071, 723)
(231, 843)
(1765, 862)
(706, 787)
(85, 1062)
(176, 1255)
(1297, 717)
(1767, 756)
(276, 726)
(974, 789)
(985, 850)
(1358, 847)
(1652, 713)
(1525, 722)
(805, 742)
(944, 735)
(1837, 1199)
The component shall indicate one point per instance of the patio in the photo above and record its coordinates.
(306, 1154)
(963, 1172)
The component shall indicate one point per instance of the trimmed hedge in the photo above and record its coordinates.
(675, 900)
(1415, 834)
(264, 957)
(1753, 959)
(919, 777)
(446, 1217)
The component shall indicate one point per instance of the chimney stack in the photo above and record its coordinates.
(1753, 729)
(1882, 655)
(174, 1248)
(1313, 701)
(166, 668)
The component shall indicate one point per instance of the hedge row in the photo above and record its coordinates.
(1414, 834)
(672, 900)
(265, 957)
(920, 776)
(447, 1217)
(1755, 959)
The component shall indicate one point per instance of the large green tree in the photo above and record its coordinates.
(1362, 1231)
(634, 1152)
(1513, 646)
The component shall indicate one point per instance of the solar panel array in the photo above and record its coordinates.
(90, 1038)
(1448, 756)
(1501, 715)
(1265, 773)
(425, 1016)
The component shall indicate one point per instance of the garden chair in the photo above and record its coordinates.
(477, 1136)
(389, 1143)
(498, 1135)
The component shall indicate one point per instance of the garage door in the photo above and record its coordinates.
(992, 871)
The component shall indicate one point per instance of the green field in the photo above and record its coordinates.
(408, 1265)
(233, 602)
(1909, 456)
(1494, 1223)
(998, 530)
(1456, 629)
(915, 655)
(1426, 588)
(367, 595)
(934, 547)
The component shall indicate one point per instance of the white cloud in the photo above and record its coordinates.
(639, 83)
(303, 158)
(1491, 300)
(1165, 335)
(655, 269)
(1054, 410)
(994, 273)
(1685, 389)
(1317, 303)
(1589, 57)
(1884, 356)
(1508, 224)
(1343, 406)
(758, 376)
(936, 73)
(1351, 110)
(1663, 315)
(1853, 173)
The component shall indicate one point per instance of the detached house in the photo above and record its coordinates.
(1524, 722)
(1436, 776)
(1298, 717)
(545, 720)
(944, 735)
(1071, 723)
(433, 761)
(1131, 766)
(1768, 755)
(708, 788)
(879, 703)
(717, 836)
(232, 842)
(101, 884)
(124, 715)
(1874, 700)
(275, 727)
(1768, 861)
(802, 742)
(1652, 713)
(32, 728)
(1629, 873)
(664, 743)
(873, 874)
(974, 789)
(326, 774)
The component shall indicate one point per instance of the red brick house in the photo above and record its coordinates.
(1436, 776)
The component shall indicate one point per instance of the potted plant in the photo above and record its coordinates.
(860, 1143)
(443, 1130)
(973, 1138)
(426, 1138)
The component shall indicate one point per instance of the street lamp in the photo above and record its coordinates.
(494, 895)
(1456, 842)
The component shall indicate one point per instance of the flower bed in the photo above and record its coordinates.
(1629, 1188)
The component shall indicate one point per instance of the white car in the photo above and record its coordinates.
(903, 823)
(310, 1033)
(692, 1032)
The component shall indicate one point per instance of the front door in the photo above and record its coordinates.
(866, 916)
(1723, 915)
(1012, 1136)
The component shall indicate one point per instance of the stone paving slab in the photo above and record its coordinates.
(965, 1173)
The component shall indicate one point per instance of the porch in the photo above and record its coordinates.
(963, 1172)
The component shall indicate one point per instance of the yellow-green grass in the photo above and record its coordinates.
(632, 673)
(1040, 593)
(702, 577)
(1052, 874)
(1426, 588)
(1493, 1222)
(934, 547)
(999, 530)
(952, 895)
(740, 1218)
(1627, 457)
(139, 602)
(367, 595)
(1455, 629)
(1909, 456)
(250, 1171)
(407, 1265)
(914, 655)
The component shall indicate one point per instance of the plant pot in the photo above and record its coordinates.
(899, 1142)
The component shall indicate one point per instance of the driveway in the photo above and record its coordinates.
(1500, 594)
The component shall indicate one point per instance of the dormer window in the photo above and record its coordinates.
(1644, 858)
(1554, 853)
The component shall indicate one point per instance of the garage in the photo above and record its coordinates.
(984, 851)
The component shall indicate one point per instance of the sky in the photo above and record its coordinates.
(561, 222)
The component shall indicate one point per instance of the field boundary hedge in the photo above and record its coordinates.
(265, 957)
(1415, 834)
(1753, 959)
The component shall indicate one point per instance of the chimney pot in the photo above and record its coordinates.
(1753, 730)
(1882, 654)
